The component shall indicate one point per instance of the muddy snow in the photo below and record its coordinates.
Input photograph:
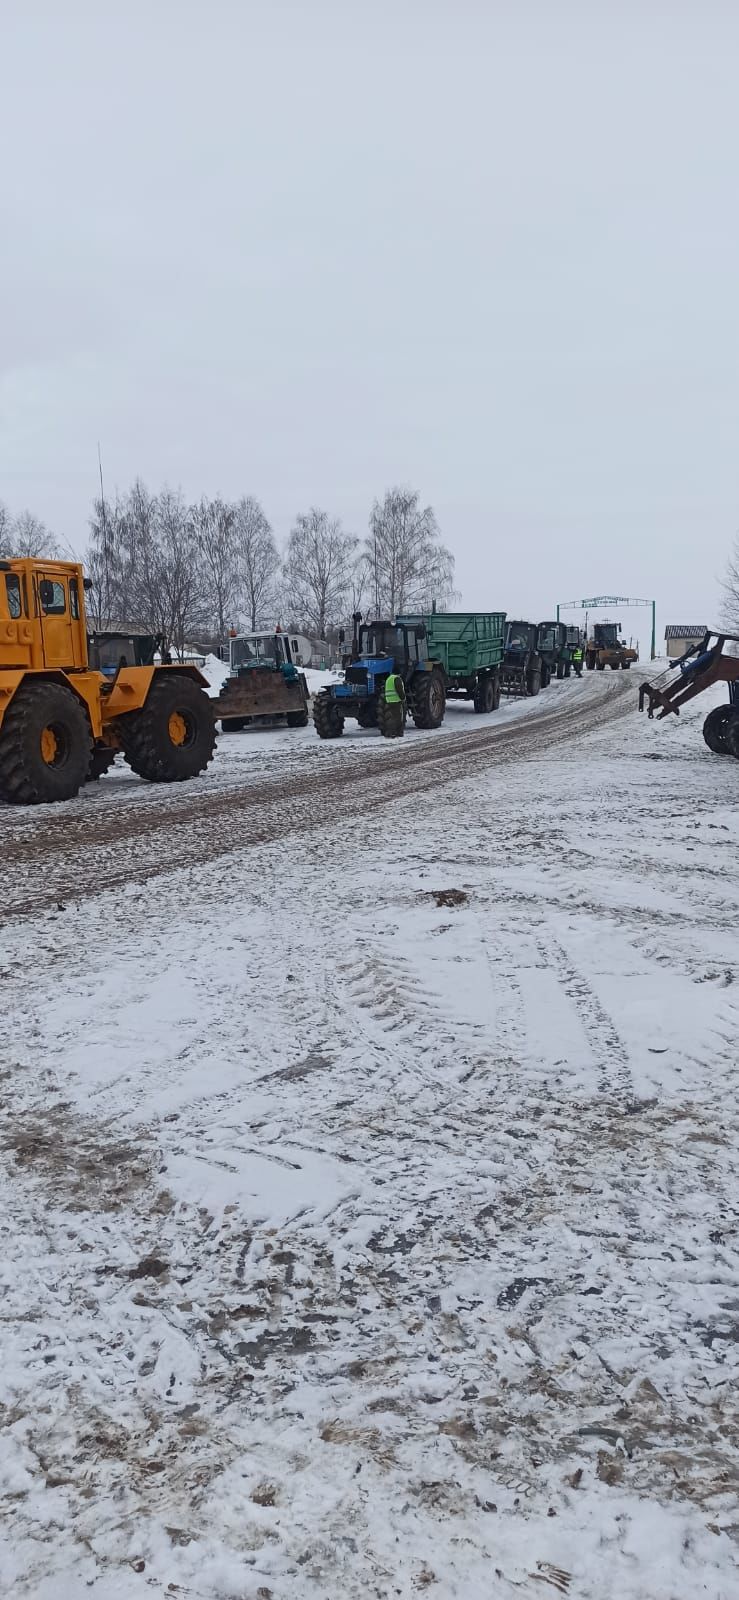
(370, 1210)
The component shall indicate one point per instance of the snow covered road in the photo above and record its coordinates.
(369, 1198)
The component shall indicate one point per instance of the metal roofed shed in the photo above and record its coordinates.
(680, 635)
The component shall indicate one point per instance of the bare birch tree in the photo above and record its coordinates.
(730, 586)
(257, 562)
(214, 525)
(410, 567)
(318, 570)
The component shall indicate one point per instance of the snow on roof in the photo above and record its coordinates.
(685, 630)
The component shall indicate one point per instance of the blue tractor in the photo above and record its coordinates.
(379, 648)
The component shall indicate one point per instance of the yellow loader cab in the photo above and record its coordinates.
(61, 721)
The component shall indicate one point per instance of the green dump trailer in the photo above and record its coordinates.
(468, 648)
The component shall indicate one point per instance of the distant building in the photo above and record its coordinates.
(679, 636)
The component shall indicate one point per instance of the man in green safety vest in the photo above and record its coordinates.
(392, 717)
(577, 660)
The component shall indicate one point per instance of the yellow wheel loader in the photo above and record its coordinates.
(62, 719)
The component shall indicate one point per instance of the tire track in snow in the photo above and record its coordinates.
(75, 855)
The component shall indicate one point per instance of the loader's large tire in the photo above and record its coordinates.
(716, 728)
(101, 761)
(487, 695)
(173, 736)
(732, 733)
(533, 682)
(45, 745)
(428, 699)
(367, 716)
(298, 719)
(327, 718)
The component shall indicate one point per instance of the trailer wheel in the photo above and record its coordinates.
(600, 666)
(45, 745)
(298, 719)
(367, 716)
(232, 724)
(716, 728)
(732, 733)
(626, 665)
(327, 718)
(485, 696)
(590, 663)
(533, 682)
(428, 700)
(173, 736)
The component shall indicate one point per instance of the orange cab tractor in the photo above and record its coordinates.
(68, 704)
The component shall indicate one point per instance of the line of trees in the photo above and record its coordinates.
(192, 571)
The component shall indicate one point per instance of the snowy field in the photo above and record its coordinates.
(370, 1208)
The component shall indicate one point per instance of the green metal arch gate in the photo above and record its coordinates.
(612, 600)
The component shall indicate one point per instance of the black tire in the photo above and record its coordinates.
(327, 718)
(731, 734)
(568, 669)
(298, 719)
(626, 666)
(600, 666)
(545, 676)
(590, 663)
(716, 727)
(533, 682)
(560, 669)
(387, 721)
(232, 724)
(45, 745)
(367, 716)
(428, 700)
(173, 736)
(101, 761)
(485, 695)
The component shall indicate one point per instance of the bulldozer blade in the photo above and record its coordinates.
(261, 692)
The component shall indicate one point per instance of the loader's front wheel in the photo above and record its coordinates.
(45, 745)
(327, 718)
(732, 733)
(173, 736)
(716, 729)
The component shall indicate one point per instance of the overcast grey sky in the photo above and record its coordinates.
(306, 251)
